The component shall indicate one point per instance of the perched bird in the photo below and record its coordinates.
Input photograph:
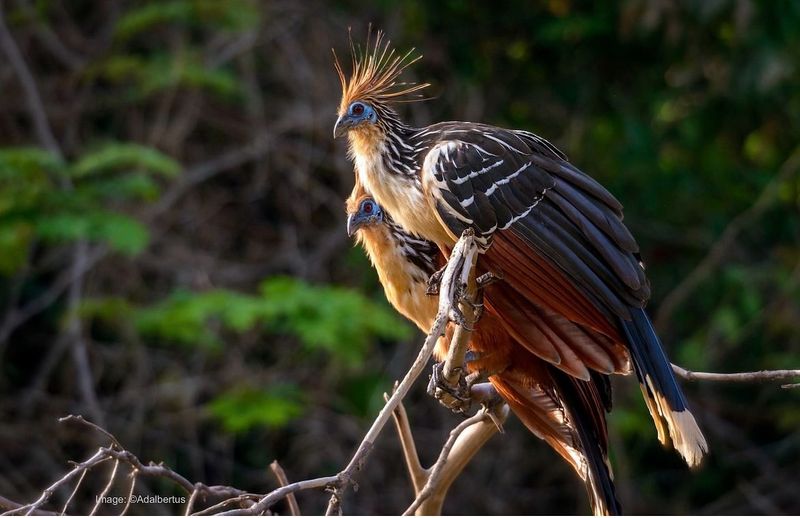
(574, 289)
(566, 412)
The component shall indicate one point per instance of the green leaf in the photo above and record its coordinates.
(105, 308)
(121, 233)
(18, 163)
(244, 408)
(14, 243)
(336, 320)
(115, 156)
(151, 74)
(233, 15)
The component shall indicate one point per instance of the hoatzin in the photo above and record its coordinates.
(566, 412)
(573, 290)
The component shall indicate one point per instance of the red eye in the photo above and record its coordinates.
(368, 207)
(357, 109)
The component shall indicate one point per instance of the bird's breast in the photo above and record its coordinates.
(402, 196)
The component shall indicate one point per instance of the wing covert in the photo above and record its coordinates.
(501, 181)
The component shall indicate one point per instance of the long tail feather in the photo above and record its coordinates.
(663, 396)
(600, 479)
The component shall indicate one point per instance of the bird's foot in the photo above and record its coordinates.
(488, 278)
(435, 282)
(455, 396)
(477, 304)
(490, 400)
(466, 390)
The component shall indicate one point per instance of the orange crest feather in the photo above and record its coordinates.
(374, 73)
(354, 200)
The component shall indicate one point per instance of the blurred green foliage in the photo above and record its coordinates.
(338, 321)
(243, 408)
(43, 198)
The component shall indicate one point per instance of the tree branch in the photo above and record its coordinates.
(464, 441)
(740, 377)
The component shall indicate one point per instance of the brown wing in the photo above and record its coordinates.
(558, 237)
(567, 413)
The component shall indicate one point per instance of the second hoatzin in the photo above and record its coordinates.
(566, 412)
(574, 288)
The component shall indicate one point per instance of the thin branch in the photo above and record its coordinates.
(106, 489)
(192, 499)
(78, 419)
(247, 498)
(94, 460)
(462, 444)
(739, 377)
(74, 491)
(10, 505)
(416, 472)
(29, 88)
(134, 475)
(120, 455)
(279, 494)
(284, 481)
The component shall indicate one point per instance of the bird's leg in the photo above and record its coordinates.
(490, 400)
(435, 281)
(481, 282)
(456, 396)
(487, 278)
(468, 389)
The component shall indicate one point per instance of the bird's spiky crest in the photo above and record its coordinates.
(354, 200)
(374, 73)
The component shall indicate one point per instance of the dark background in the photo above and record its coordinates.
(174, 264)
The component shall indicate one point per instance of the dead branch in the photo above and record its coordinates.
(284, 481)
(463, 443)
(120, 456)
(740, 377)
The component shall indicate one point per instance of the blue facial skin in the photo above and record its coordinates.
(369, 213)
(357, 113)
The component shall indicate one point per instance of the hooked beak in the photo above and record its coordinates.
(343, 124)
(354, 222)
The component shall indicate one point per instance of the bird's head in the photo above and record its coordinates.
(363, 212)
(358, 114)
(372, 87)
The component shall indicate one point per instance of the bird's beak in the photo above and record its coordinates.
(354, 222)
(343, 124)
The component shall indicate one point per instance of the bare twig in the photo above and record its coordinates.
(462, 444)
(94, 460)
(279, 494)
(78, 419)
(739, 377)
(416, 472)
(74, 491)
(32, 97)
(248, 499)
(283, 481)
(134, 475)
(120, 455)
(101, 498)
(8, 505)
